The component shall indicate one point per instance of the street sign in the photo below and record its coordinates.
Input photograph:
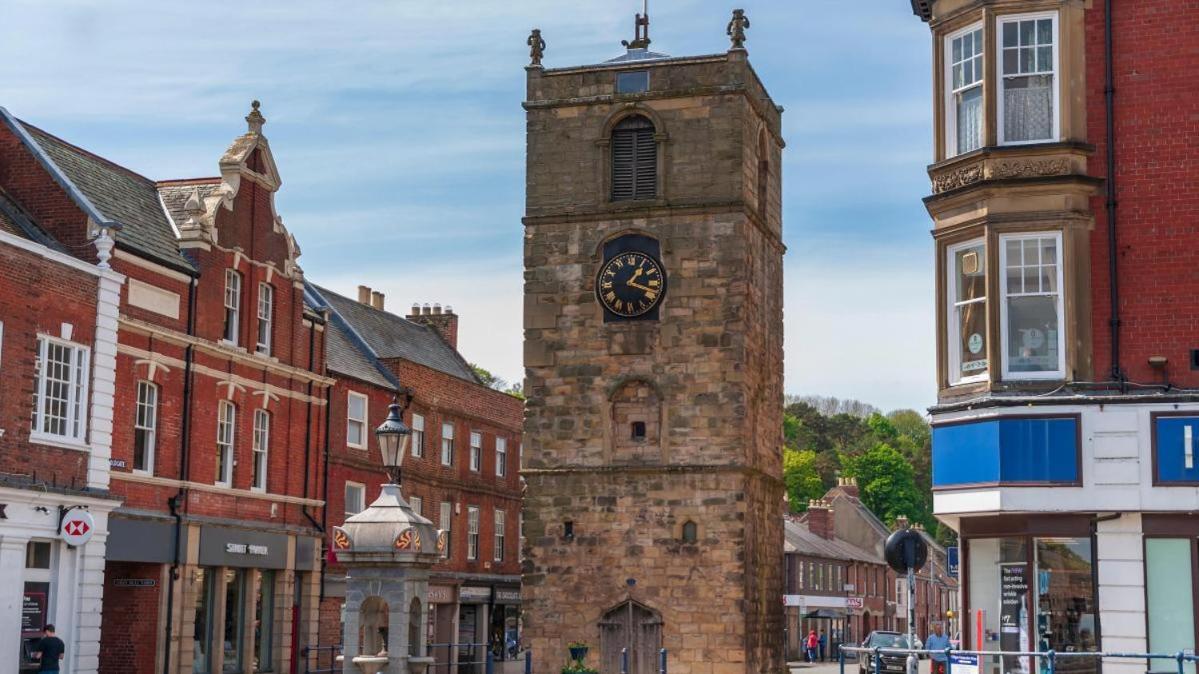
(952, 560)
(77, 527)
(963, 664)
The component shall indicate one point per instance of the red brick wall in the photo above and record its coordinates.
(32, 187)
(130, 620)
(36, 297)
(1157, 168)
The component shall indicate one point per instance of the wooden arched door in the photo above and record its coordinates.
(634, 626)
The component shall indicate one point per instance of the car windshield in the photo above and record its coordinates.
(888, 641)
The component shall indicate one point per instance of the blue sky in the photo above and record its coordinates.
(399, 134)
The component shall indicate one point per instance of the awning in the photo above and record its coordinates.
(826, 614)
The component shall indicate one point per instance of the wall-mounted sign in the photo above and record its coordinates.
(134, 582)
(952, 560)
(1013, 615)
(77, 527)
(850, 587)
(855, 602)
(507, 596)
(116, 463)
(441, 594)
(246, 549)
(33, 607)
(474, 593)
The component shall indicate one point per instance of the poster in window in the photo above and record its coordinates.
(1013, 615)
(33, 608)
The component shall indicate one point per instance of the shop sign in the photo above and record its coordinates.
(474, 593)
(1013, 615)
(246, 549)
(33, 607)
(77, 527)
(855, 602)
(116, 463)
(441, 594)
(507, 596)
(792, 600)
(963, 664)
(952, 560)
(134, 582)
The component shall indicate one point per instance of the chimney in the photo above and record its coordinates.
(364, 295)
(901, 522)
(820, 518)
(441, 319)
(848, 485)
(377, 300)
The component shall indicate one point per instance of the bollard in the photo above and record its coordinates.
(841, 659)
(662, 661)
(1052, 657)
(878, 661)
(624, 661)
(529, 661)
(948, 664)
(489, 668)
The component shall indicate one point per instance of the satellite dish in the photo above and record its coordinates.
(906, 550)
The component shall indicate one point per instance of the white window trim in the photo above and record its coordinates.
(1060, 373)
(445, 520)
(227, 479)
(472, 533)
(361, 489)
(267, 291)
(418, 441)
(230, 275)
(501, 457)
(36, 434)
(417, 504)
(365, 415)
(153, 428)
(1057, 76)
(953, 340)
(951, 118)
(446, 460)
(499, 534)
(476, 451)
(262, 449)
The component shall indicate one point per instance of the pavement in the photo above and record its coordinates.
(851, 667)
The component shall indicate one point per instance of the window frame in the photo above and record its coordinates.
(499, 525)
(226, 450)
(361, 488)
(951, 121)
(232, 324)
(1000, 20)
(265, 292)
(953, 341)
(418, 435)
(445, 521)
(417, 504)
(151, 430)
(476, 451)
(1060, 373)
(633, 134)
(350, 420)
(472, 533)
(501, 456)
(447, 450)
(260, 450)
(79, 373)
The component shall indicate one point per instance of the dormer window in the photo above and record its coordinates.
(964, 114)
(232, 305)
(1028, 83)
(634, 160)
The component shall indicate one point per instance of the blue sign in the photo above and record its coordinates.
(952, 560)
(961, 663)
(1012, 450)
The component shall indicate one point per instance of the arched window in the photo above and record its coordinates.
(690, 532)
(634, 160)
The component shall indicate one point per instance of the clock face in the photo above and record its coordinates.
(631, 284)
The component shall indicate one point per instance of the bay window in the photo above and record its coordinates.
(1031, 310)
(967, 295)
(60, 391)
(964, 113)
(1027, 102)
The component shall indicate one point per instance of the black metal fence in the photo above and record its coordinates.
(323, 659)
(1049, 661)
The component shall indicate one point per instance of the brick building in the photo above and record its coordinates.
(462, 472)
(1063, 196)
(58, 312)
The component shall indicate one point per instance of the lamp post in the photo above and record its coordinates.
(394, 436)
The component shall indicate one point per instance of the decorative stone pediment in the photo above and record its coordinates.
(1007, 164)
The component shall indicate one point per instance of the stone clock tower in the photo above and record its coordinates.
(653, 356)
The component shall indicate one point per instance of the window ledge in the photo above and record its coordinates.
(1053, 160)
(58, 441)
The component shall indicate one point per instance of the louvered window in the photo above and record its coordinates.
(634, 160)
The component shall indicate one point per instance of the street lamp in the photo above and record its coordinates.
(393, 435)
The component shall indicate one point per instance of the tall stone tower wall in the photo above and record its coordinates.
(683, 519)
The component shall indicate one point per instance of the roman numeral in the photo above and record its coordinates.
(610, 296)
(650, 295)
(606, 285)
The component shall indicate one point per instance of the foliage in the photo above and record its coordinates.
(577, 667)
(498, 383)
(889, 454)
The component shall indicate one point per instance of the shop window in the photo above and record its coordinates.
(356, 415)
(1174, 441)
(264, 614)
(1169, 601)
(967, 303)
(231, 636)
(964, 91)
(1034, 342)
(145, 427)
(37, 555)
(232, 305)
(1027, 87)
(202, 581)
(60, 393)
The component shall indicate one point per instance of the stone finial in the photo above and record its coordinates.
(736, 29)
(255, 120)
(194, 209)
(104, 243)
(640, 32)
(536, 47)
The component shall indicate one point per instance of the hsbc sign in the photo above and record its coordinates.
(77, 527)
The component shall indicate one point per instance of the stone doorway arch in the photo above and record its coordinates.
(634, 626)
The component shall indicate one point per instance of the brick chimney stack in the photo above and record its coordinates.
(820, 518)
(848, 485)
(444, 321)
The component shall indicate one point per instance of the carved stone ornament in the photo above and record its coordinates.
(1031, 168)
(954, 179)
(536, 47)
(736, 29)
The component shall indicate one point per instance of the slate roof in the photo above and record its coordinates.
(119, 195)
(799, 539)
(175, 193)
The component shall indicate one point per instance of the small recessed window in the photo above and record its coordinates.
(37, 555)
(632, 83)
(690, 532)
(638, 430)
(568, 529)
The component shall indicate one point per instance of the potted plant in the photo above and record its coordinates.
(577, 667)
(578, 651)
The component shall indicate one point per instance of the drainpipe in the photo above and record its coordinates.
(325, 482)
(1109, 93)
(308, 428)
(180, 498)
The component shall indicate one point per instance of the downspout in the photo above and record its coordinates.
(308, 428)
(1109, 93)
(325, 481)
(179, 499)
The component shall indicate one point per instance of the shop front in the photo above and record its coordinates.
(443, 623)
(473, 626)
(505, 623)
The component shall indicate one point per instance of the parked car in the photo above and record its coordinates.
(891, 663)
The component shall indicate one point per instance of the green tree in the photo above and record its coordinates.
(887, 484)
(801, 478)
(498, 383)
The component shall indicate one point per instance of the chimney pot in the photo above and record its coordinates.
(364, 295)
(425, 310)
(415, 309)
(377, 299)
(436, 309)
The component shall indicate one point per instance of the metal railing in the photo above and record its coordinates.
(1049, 657)
(451, 666)
(328, 654)
(309, 653)
(624, 662)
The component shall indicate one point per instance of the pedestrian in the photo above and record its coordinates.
(49, 650)
(823, 644)
(812, 643)
(936, 643)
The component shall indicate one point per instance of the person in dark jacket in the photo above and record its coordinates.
(49, 651)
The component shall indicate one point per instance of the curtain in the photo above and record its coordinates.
(1028, 108)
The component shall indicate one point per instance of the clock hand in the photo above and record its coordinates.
(641, 287)
(636, 273)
